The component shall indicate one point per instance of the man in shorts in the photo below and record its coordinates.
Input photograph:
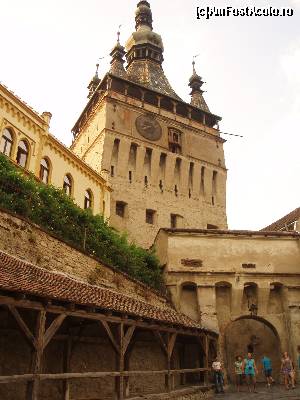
(267, 369)
(250, 371)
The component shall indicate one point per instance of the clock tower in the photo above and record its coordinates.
(162, 156)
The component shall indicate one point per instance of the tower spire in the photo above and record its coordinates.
(117, 61)
(144, 53)
(143, 15)
(195, 83)
(94, 82)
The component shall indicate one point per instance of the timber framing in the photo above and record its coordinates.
(165, 334)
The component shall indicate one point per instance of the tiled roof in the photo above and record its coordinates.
(283, 222)
(19, 276)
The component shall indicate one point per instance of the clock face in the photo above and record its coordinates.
(148, 127)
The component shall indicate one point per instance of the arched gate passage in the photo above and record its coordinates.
(254, 334)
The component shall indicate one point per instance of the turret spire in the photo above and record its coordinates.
(117, 54)
(195, 83)
(94, 82)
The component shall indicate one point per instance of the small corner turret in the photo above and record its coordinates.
(94, 83)
(195, 83)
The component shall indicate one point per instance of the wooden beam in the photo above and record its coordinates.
(161, 341)
(127, 338)
(86, 375)
(53, 328)
(171, 344)
(22, 324)
(34, 305)
(110, 335)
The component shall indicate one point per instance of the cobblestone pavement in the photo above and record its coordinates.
(277, 392)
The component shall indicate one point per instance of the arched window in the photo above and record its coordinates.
(44, 170)
(67, 185)
(88, 199)
(22, 153)
(6, 143)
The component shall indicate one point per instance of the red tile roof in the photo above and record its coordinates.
(283, 222)
(19, 276)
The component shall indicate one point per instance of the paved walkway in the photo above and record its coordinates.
(277, 392)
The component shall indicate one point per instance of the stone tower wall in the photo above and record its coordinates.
(108, 142)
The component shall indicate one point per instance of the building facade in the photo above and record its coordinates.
(163, 157)
(26, 140)
(244, 284)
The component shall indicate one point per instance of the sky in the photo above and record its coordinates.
(251, 66)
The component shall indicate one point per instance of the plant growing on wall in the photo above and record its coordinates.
(53, 210)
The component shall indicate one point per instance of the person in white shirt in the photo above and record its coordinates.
(218, 375)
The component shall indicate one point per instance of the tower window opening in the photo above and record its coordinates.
(175, 141)
(176, 190)
(190, 193)
(214, 187)
(173, 218)
(130, 176)
(150, 216)
(146, 181)
(202, 180)
(121, 208)
(161, 186)
(112, 170)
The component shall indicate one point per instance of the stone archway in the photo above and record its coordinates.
(255, 334)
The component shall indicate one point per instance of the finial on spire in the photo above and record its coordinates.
(194, 63)
(118, 34)
(97, 68)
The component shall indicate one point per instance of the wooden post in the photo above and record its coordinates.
(67, 366)
(33, 387)
(171, 339)
(120, 379)
(182, 363)
(206, 348)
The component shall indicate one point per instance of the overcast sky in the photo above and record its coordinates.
(251, 66)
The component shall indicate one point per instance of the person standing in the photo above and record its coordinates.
(250, 371)
(218, 375)
(267, 369)
(238, 369)
(287, 368)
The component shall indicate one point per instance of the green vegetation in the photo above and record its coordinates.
(57, 213)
